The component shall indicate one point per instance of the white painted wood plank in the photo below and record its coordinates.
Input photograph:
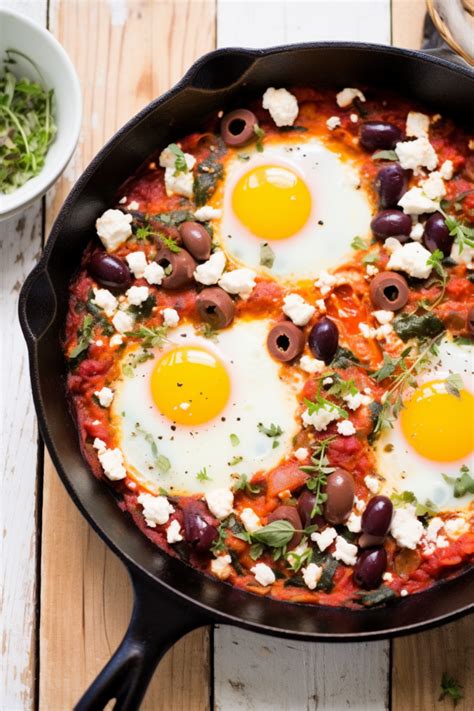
(263, 23)
(260, 673)
(20, 245)
(253, 671)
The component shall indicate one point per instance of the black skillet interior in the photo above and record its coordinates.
(166, 588)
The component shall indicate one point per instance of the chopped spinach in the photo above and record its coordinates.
(376, 597)
(424, 326)
(145, 308)
(205, 180)
(344, 358)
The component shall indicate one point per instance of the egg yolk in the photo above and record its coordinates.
(272, 202)
(439, 425)
(190, 385)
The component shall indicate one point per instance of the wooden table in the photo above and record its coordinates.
(66, 598)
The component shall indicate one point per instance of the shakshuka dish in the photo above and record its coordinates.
(270, 345)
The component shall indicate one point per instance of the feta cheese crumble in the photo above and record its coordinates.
(263, 574)
(173, 534)
(325, 282)
(112, 463)
(311, 365)
(211, 271)
(353, 523)
(417, 232)
(321, 418)
(220, 502)
(411, 258)
(383, 316)
(137, 263)
(456, 527)
(105, 300)
(346, 428)
(447, 170)
(345, 97)
(239, 281)
(154, 273)
(301, 454)
(170, 317)
(465, 257)
(417, 124)
(104, 396)
(123, 322)
(282, 105)
(297, 309)
(333, 122)
(433, 186)
(416, 202)
(405, 527)
(416, 154)
(324, 539)
(311, 575)
(156, 509)
(250, 520)
(221, 566)
(206, 213)
(113, 228)
(136, 295)
(372, 483)
(177, 182)
(345, 551)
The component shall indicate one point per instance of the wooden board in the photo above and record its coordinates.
(126, 53)
(20, 248)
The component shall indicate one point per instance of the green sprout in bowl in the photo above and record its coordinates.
(27, 126)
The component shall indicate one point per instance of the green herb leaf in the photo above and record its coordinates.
(84, 334)
(203, 475)
(161, 462)
(150, 336)
(180, 165)
(260, 133)
(234, 440)
(359, 243)
(384, 155)
(454, 384)
(371, 258)
(326, 581)
(235, 460)
(464, 484)
(272, 431)
(206, 330)
(463, 235)
(267, 255)
(344, 358)
(450, 688)
(170, 243)
(275, 534)
(242, 483)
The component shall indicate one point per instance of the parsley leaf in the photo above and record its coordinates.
(454, 384)
(202, 475)
(150, 336)
(450, 688)
(180, 165)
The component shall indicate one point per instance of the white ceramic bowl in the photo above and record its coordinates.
(20, 33)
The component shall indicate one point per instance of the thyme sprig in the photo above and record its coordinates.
(319, 469)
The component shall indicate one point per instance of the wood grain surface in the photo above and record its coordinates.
(126, 53)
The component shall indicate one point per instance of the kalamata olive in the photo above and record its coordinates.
(391, 223)
(285, 341)
(109, 270)
(368, 541)
(305, 505)
(436, 234)
(323, 339)
(182, 267)
(390, 184)
(375, 135)
(389, 291)
(290, 514)
(470, 320)
(238, 127)
(215, 306)
(340, 496)
(200, 534)
(371, 565)
(377, 516)
(196, 239)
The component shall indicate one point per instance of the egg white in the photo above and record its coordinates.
(340, 211)
(258, 394)
(402, 467)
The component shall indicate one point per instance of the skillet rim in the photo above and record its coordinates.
(210, 614)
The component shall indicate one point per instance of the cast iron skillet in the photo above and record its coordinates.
(170, 597)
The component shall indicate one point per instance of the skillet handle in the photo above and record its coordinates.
(157, 622)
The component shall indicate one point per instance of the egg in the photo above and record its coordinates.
(434, 432)
(304, 199)
(189, 417)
